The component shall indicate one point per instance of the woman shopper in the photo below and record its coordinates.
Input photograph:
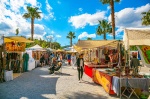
(80, 67)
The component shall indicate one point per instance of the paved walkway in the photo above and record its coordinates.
(39, 84)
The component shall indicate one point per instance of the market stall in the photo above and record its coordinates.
(98, 54)
(14, 48)
(1, 58)
(139, 37)
(110, 81)
(36, 51)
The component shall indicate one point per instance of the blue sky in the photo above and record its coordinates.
(61, 16)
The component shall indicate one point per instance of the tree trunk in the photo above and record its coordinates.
(70, 42)
(112, 17)
(104, 36)
(32, 28)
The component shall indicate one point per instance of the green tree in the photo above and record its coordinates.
(71, 35)
(17, 31)
(89, 38)
(56, 45)
(111, 3)
(103, 28)
(32, 13)
(146, 18)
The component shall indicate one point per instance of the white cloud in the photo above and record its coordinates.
(58, 2)
(108, 7)
(52, 32)
(82, 20)
(86, 35)
(48, 7)
(80, 9)
(32, 2)
(119, 30)
(130, 17)
(58, 36)
(36, 36)
(49, 10)
(11, 18)
(50, 36)
(118, 33)
(39, 29)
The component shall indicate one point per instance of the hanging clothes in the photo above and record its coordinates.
(25, 61)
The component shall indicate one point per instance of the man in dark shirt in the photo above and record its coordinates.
(135, 63)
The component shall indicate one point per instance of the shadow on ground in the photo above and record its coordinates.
(30, 85)
(84, 95)
(95, 84)
(62, 74)
(91, 83)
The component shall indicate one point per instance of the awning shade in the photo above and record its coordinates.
(136, 36)
(96, 43)
(17, 39)
(77, 48)
(8, 40)
(21, 39)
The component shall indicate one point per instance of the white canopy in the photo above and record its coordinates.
(136, 36)
(36, 47)
(70, 49)
(53, 50)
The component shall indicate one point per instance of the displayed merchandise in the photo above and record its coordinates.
(25, 61)
(13, 62)
(15, 46)
(146, 53)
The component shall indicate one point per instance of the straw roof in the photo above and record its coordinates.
(96, 43)
(87, 44)
(77, 48)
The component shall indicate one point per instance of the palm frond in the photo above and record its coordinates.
(117, 0)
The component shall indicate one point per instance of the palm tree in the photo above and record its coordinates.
(103, 28)
(111, 3)
(32, 13)
(71, 35)
(17, 31)
(146, 18)
(89, 38)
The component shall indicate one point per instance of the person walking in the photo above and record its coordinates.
(73, 60)
(60, 57)
(135, 63)
(69, 59)
(42, 60)
(80, 67)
